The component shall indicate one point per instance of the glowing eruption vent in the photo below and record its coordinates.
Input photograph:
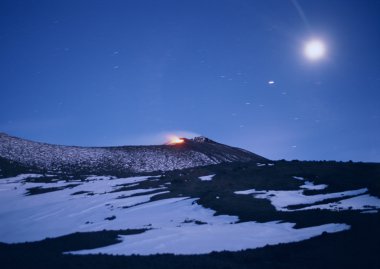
(174, 140)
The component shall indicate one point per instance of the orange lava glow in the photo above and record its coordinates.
(174, 140)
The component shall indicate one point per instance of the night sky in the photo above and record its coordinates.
(129, 72)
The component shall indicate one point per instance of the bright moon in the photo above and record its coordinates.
(315, 49)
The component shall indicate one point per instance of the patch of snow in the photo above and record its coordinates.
(132, 185)
(93, 177)
(370, 211)
(282, 199)
(103, 186)
(19, 178)
(207, 178)
(131, 180)
(308, 185)
(202, 239)
(248, 191)
(361, 202)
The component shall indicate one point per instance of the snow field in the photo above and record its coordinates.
(177, 225)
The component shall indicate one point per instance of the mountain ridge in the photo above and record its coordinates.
(199, 151)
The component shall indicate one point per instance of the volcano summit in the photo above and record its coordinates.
(199, 151)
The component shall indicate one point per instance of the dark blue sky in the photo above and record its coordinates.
(128, 72)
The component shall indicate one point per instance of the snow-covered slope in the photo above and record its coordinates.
(36, 206)
(173, 224)
(236, 207)
(199, 151)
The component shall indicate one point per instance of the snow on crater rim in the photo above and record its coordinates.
(128, 158)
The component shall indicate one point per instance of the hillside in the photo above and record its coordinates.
(234, 214)
(199, 151)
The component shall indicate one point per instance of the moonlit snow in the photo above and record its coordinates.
(52, 214)
(309, 185)
(206, 178)
(361, 202)
(203, 239)
(281, 200)
(177, 225)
